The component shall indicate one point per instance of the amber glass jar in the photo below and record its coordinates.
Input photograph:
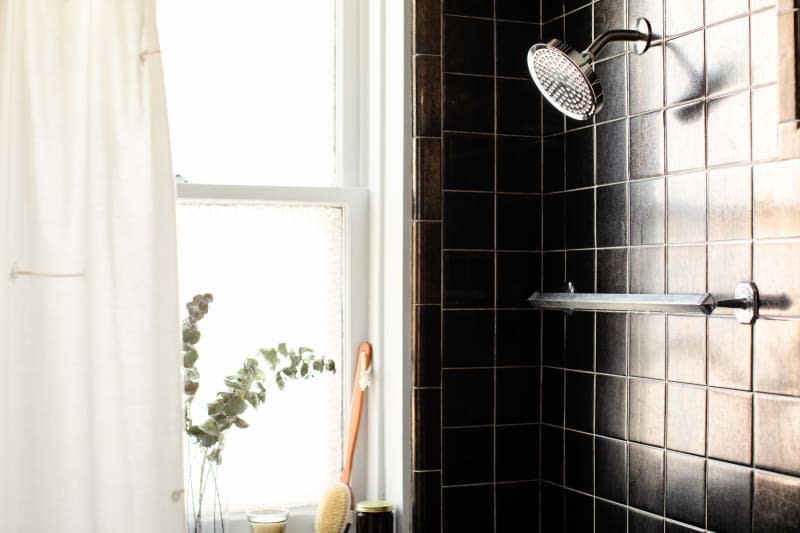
(374, 517)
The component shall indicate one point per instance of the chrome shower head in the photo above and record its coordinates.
(566, 77)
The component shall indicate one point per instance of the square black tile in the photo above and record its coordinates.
(580, 518)
(468, 103)
(646, 411)
(517, 395)
(553, 163)
(553, 121)
(517, 455)
(468, 45)
(776, 429)
(611, 469)
(519, 219)
(646, 478)
(578, 24)
(611, 343)
(686, 418)
(776, 503)
(612, 216)
(775, 348)
(513, 41)
(516, 10)
(613, 72)
(644, 523)
(427, 237)
(427, 355)
(516, 503)
(579, 218)
(518, 275)
(467, 455)
(519, 161)
(468, 162)
(479, 499)
(609, 15)
(646, 80)
(647, 348)
(685, 76)
(730, 498)
(426, 513)
(647, 212)
(579, 401)
(427, 193)
(580, 270)
(686, 489)
(468, 279)
(518, 107)
(427, 27)
(612, 149)
(553, 338)
(553, 396)
(468, 397)
(427, 96)
(612, 406)
(553, 449)
(468, 221)
(579, 461)
(647, 158)
(427, 429)
(612, 270)
(468, 338)
(553, 224)
(579, 353)
(609, 517)
(552, 508)
(473, 8)
(553, 271)
(518, 336)
(730, 426)
(579, 158)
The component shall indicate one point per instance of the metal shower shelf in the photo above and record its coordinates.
(744, 301)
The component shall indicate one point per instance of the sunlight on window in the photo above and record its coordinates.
(276, 273)
(250, 90)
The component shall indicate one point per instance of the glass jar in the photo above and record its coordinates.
(268, 520)
(374, 517)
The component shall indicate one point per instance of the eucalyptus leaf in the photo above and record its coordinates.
(209, 427)
(235, 406)
(191, 335)
(241, 423)
(190, 358)
(190, 387)
(282, 349)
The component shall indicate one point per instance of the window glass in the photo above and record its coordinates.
(250, 90)
(276, 273)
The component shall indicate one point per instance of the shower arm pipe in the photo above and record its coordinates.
(744, 302)
(642, 34)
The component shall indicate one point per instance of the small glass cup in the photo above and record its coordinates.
(268, 520)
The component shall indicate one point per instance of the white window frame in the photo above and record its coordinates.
(373, 165)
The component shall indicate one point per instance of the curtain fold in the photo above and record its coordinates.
(90, 437)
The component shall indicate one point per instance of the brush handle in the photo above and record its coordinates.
(356, 404)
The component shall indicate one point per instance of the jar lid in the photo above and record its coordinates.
(374, 506)
(268, 516)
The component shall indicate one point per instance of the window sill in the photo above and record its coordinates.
(301, 520)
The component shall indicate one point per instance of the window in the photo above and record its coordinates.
(272, 218)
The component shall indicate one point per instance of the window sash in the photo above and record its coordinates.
(354, 202)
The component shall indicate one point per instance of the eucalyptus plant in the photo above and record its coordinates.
(246, 388)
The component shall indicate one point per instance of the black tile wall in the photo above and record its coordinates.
(477, 241)
(602, 421)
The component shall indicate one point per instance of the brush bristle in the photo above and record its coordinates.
(333, 509)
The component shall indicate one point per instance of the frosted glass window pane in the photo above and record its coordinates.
(250, 90)
(276, 273)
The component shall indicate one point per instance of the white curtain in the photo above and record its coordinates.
(90, 387)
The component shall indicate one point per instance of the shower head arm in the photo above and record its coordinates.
(641, 34)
